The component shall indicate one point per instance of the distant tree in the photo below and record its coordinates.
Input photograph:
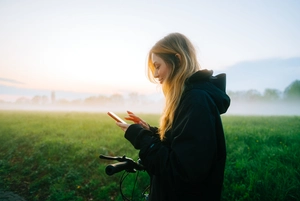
(116, 98)
(63, 102)
(102, 99)
(292, 92)
(44, 99)
(76, 102)
(22, 100)
(53, 97)
(253, 95)
(134, 98)
(91, 100)
(235, 95)
(271, 94)
(36, 100)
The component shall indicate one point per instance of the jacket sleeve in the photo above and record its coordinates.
(192, 149)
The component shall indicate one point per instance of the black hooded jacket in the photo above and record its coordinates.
(189, 164)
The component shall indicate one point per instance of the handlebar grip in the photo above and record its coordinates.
(116, 167)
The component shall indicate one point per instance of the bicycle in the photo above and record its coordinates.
(127, 165)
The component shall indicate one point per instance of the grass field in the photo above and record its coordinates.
(55, 156)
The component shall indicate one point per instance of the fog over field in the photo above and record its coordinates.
(253, 91)
(250, 108)
(250, 93)
(236, 107)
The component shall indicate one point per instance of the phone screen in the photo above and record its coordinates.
(116, 117)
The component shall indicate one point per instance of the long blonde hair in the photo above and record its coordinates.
(179, 54)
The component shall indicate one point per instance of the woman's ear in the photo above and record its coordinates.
(178, 58)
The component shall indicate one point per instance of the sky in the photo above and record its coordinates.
(97, 46)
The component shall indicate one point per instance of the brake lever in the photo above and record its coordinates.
(120, 159)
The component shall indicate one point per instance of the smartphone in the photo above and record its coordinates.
(116, 117)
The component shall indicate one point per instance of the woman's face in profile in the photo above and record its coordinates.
(162, 70)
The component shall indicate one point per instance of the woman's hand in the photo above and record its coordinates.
(137, 120)
(123, 126)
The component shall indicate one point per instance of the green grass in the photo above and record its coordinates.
(55, 156)
(263, 158)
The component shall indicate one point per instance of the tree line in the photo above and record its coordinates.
(291, 93)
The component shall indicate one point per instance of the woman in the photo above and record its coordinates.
(186, 156)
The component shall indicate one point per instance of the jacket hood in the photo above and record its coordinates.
(215, 86)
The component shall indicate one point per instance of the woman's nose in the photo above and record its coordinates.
(156, 73)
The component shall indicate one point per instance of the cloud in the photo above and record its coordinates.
(10, 81)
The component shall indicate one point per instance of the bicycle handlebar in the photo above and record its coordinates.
(124, 163)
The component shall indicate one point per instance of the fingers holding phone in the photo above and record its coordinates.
(116, 117)
(119, 121)
(132, 117)
(122, 126)
(137, 120)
